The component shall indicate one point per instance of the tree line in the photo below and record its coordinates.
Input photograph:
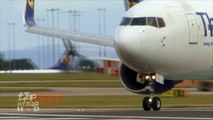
(16, 64)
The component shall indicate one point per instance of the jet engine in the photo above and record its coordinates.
(129, 79)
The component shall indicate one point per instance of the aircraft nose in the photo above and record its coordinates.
(127, 43)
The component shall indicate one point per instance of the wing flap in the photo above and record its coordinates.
(103, 58)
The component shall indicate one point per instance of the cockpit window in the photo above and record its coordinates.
(125, 21)
(142, 21)
(161, 22)
(152, 21)
(138, 21)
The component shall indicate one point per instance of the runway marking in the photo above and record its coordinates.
(104, 116)
(13, 117)
(30, 118)
(180, 110)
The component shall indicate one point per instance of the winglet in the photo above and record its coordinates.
(28, 17)
(65, 60)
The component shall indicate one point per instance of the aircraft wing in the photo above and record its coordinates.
(29, 21)
(36, 71)
(74, 36)
(30, 71)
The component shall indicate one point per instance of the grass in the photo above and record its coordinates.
(64, 84)
(73, 80)
(114, 101)
(2, 90)
(58, 76)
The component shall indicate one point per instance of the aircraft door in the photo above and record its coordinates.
(192, 28)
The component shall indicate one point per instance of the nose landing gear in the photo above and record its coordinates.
(151, 102)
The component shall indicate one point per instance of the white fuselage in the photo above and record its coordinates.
(183, 49)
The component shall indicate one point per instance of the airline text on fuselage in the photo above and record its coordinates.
(207, 23)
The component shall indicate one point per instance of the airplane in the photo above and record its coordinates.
(159, 43)
(61, 66)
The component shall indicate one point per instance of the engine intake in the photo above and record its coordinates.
(129, 80)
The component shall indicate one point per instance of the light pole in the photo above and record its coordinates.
(78, 15)
(74, 19)
(102, 26)
(69, 12)
(53, 39)
(14, 43)
(104, 21)
(58, 26)
(43, 45)
(99, 20)
(52, 10)
(48, 39)
(41, 42)
(38, 46)
(9, 46)
(99, 28)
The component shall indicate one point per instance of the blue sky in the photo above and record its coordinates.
(11, 11)
(26, 44)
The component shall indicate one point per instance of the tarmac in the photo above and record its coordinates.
(112, 114)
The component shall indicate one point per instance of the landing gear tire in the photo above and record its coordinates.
(156, 103)
(147, 105)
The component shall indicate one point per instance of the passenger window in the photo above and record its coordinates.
(152, 21)
(161, 22)
(125, 21)
(138, 21)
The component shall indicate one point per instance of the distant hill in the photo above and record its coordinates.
(47, 52)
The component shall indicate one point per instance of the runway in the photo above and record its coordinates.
(79, 91)
(118, 114)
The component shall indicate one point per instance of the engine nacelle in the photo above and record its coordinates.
(129, 80)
